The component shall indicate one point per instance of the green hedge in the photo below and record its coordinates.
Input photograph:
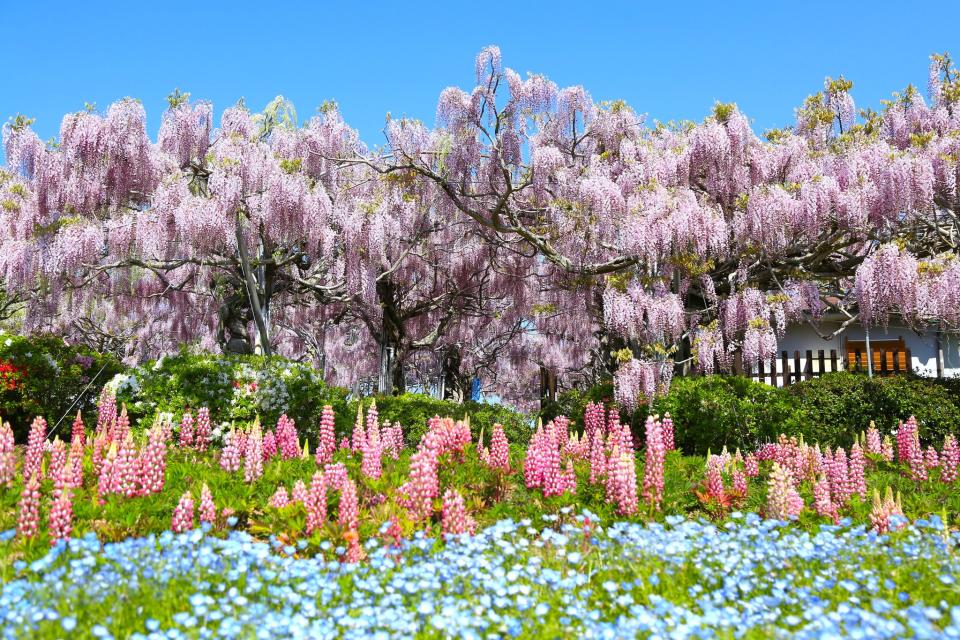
(716, 411)
(413, 410)
(236, 388)
(42, 375)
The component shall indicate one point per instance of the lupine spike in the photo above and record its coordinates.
(183, 514)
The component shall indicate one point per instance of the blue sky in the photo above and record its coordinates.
(671, 60)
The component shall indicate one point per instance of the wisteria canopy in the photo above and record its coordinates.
(531, 230)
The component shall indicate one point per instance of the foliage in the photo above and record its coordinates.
(236, 389)
(42, 375)
(413, 410)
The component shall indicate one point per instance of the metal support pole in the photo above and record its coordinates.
(869, 355)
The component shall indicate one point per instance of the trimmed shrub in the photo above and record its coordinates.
(43, 375)
(413, 410)
(236, 388)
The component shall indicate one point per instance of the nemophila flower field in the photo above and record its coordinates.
(590, 529)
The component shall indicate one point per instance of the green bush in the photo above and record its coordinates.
(42, 375)
(413, 410)
(711, 412)
(236, 388)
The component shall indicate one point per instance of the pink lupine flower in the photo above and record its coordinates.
(372, 450)
(316, 503)
(202, 430)
(287, 440)
(598, 457)
(918, 466)
(359, 434)
(931, 459)
(8, 455)
(75, 462)
(373, 419)
(327, 442)
(153, 462)
(838, 473)
(740, 484)
(60, 522)
(392, 440)
(822, 503)
(874, 444)
(667, 429)
(280, 498)
(907, 440)
(349, 511)
(593, 420)
(186, 430)
(653, 466)
(58, 459)
(28, 519)
(336, 474)
(569, 478)
(105, 478)
(484, 455)
(562, 425)
(499, 449)
(230, 457)
(783, 501)
(454, 518)
(883, 510)
(622, 482)
(183, 514)
(269, 446)
(253, 456)
(208, 510)
(751, 466)
(858, 482)
(299, 493)
(77, 431)
(714, 479)
(125, 478)
(344, 444)
(36, 441)
(121, 428)
(423, 486)
(886, 450)
(949, 459)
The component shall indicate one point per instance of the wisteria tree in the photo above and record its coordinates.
(704, 240)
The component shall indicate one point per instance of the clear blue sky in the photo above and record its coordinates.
(671, 60)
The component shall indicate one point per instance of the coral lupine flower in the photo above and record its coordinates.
(186, 430)
(499, 449)
(454, 518)
(202, 430)
(783, 501)
(622, 482)
(857, 477)
(316, 503)
(883, 510)
(183, 514)
(8, 455)
(28, 519)
(949, 459)
(253, 456)
(327, 442)
(349, 511)
(77, 431)
(36, 441)
(208, 510)
(280, 498)
(822, 503)
(667, 428)
(874, 444)
(269, 446)
(355, 552)
(653, 467)
(931, 459)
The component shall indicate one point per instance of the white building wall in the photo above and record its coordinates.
(923, 347)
